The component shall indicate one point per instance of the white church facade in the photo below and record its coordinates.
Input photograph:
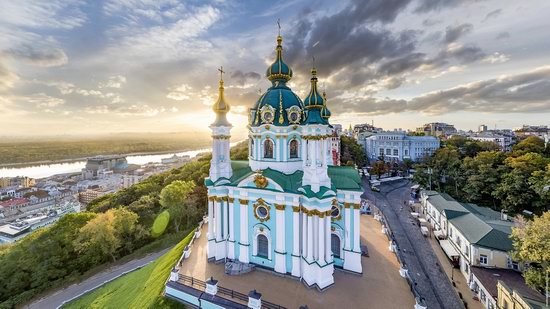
(289, 208)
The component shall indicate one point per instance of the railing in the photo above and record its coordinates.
(228, 293)
(388, 232)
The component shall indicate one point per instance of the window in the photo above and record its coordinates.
(395, 152)
(251, 148)
(515, 266)
(263, 246)
(268, 149)
(482, 296)
(483, 259)
(381, 152)
(335, 245)
(262, 212)
(388, 152)
(293, 149)
(406, 152)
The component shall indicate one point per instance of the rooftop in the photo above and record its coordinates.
(511, 278)
(480, 225)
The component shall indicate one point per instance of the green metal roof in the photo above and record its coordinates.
(342, 177)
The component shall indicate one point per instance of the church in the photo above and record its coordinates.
(290, 208)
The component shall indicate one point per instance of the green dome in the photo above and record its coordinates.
(279, 70)
(325, 112)
(280, 99)
(314, 99)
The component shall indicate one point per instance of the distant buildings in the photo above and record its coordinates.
(529, 130)
(437, 129)
(130, 180)
(503, 141)
(103, 166)
(20, 181)
(89, 195)
(397, 146)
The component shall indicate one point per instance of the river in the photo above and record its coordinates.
(46, 170)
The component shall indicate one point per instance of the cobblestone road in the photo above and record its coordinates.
(423, 265)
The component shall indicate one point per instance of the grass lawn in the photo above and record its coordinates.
(139, 289)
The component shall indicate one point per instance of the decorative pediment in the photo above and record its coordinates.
(259, 181)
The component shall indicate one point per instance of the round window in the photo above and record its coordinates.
(262, 212)
(294, 116)
(268, 117)
(335, 211)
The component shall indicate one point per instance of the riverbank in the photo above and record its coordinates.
(49, 162)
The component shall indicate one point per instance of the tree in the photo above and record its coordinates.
(529, 144)
(173, 197)
(531, 241)
(379, 168)
(514, 190)
(106, 233)
(482, 174)
(350, 150)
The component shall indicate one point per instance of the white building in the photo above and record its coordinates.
(504, 142)
(287, 208)
(397, 145)
(130, 180)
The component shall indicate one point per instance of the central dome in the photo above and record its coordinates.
(279, 105)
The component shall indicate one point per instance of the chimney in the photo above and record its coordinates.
(254, 300)
(212, 286)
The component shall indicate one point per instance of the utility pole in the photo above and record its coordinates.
(430, 177)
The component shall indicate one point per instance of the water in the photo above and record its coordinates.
(46, 170)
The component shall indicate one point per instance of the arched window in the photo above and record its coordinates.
(293, 149)
(335, 245)
(263, 246)
(251, 147)
(268, 149)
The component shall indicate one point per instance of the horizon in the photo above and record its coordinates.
(107, 68)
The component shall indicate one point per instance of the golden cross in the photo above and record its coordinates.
(279, 24)
(221, 72)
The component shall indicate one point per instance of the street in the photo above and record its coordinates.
(422, 263)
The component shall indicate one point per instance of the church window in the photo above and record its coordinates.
(263, 246)
(335, 211)
(335, 245)
(262, 212)
(268, 149)
(251, 148)
(293, 149)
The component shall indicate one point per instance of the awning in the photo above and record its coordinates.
(448, 248)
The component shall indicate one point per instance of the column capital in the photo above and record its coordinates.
(280, 206)
(231, 199)
(296, 208)
(243, 202)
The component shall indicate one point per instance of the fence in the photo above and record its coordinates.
(379, 215)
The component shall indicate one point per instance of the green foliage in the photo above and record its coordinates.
(379, 168)
(239, 151)
(174, 198)
(532, 244)
(350, 150)
(160, 224)
(513, 181)
(530, 144)
(139, 289)
(467, 147)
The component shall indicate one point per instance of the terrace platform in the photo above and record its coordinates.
(380, 286)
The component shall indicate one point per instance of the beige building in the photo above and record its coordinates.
(470, 235)
(518, 296)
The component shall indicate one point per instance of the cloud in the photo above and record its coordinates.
(244, 80)
(521, 93)
(454, 33)
(44, 57)
(114, 82)
(44, 101)
(462, 53)
(7, 78)
(503, 35)
(493, 14)
(437, 5)
(180, 93)
(52, 14)
(496, 58)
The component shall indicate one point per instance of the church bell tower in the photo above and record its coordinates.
(220, 165)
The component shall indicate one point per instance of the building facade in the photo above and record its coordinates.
(397, 146)
(437, 129)
(504, 142)
(289, 208)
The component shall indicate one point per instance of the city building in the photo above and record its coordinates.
(513, 293)
(482, 128)
(504, 141)
(5, 182)
(437, 129)
(130, 180)
(337, 129)
(469, 234)
(89, 195)
(20, 182)
(364, 127)
(104, 166)
(529, 130)
(397, 146)
(289, 208)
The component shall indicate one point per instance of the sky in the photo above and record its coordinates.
(71, 67)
